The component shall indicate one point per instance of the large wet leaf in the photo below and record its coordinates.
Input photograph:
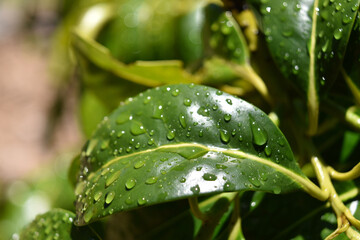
(56, 224)
(308, 40)
(351, 64)
(181, 141)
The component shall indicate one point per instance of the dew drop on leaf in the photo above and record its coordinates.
(141, 201)
(112, 178)
(224, 136)
(209, 177)
(130, 183)
(338, 33)
(170, 135)
(195, 189)
(259, 135)
(227, 117)
(151, 180)
(187, 102)
(182, 120)
(137, 128)
(139, 164)
(110, 197)
(97, 196)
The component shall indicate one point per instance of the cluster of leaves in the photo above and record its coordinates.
(185, 137)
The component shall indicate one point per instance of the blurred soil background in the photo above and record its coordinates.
(30, 133)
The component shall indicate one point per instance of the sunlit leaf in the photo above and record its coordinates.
(181, 141)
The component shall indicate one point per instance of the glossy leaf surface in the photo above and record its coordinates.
(308, 40)
(351, 63)
(181, 141)
(56, 224)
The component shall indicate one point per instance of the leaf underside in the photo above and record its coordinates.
(181, 141)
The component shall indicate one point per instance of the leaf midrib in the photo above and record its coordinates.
(306, 184)
(312, 95)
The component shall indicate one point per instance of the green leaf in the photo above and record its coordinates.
(56, 224)
(351, 63)
(149, 74)
(307, 40)
(181, 141)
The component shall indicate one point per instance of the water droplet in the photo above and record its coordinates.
(112, 178)
(123, 117)
(325, 46)
(129, 201)
(227, 117)
(182, 180)
(104, 145)
(139, 164)
(97, 196)
(218, 92)
(297, 7)
(141, 201)
(201, 133)
(255, 182)
(287, 33)
(158, 112)
(229, 101)
(338, 33)
(224, 136)
(137, 128)
(170, 135)
(182, 120)
(295, 70)
(187, 102)
(147, 99)
(259, 135)
(110, 197)
(175, 92)
(151, 141)
(130, 183)
(209, 177)
(325, 14)
(151, 180)
(203, 111)
(195, 189)
(240, 138)
(88, 215)
(198, 168)
(267, 150)
(228, 186)
(277, 190)
(221, 166)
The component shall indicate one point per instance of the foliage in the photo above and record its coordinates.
(182, 134)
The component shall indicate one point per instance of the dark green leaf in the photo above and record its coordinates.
(352, 61)
(56, 224)
(181, 141)
(308, 39)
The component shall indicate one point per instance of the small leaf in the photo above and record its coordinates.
(56, 224)
(153, 73)
(197, 141)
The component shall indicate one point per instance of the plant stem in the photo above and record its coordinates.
(353, 88)
(350, 175)
(338, 206)
(247, 72)
(194, 206)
